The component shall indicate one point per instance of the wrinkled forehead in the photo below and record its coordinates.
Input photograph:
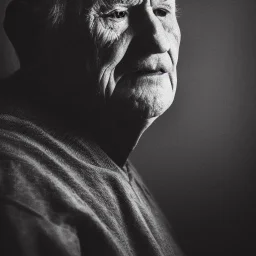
(127, 2)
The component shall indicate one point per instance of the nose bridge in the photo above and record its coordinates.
(154, 32)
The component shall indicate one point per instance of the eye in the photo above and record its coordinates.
(160, 12)
(117, 14)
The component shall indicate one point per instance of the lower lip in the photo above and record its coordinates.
(151, 78)
(148, 74)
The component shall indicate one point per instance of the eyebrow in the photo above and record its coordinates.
(112, 2)
(130, 2)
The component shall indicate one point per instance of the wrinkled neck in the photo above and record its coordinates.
(118, 135)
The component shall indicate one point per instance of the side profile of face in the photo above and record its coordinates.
(136, 53)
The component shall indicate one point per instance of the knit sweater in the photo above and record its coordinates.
(65, 196)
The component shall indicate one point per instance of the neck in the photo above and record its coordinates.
(118, 135)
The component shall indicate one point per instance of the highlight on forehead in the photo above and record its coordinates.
(101, 4)
(126, 2)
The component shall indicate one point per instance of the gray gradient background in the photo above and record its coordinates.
(198, 158)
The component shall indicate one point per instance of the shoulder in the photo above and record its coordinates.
(31, 159)
(21, 161)
(36, 166)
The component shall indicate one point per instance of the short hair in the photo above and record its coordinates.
(51, 11)
(26, 21)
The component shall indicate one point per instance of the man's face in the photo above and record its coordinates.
(136, 53)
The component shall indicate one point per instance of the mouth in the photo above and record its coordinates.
(150, 72)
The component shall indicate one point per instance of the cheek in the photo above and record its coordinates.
(173, 33)
(104, 35)
(105, 32)
(111, 44)
(113, 52)
(109, 59)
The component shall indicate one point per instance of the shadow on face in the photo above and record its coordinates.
(123, 53)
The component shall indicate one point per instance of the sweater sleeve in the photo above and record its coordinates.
(25, 232)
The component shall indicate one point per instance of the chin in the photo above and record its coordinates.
(145, 99)
(150, 107)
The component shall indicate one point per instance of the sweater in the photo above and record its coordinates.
(62, 195)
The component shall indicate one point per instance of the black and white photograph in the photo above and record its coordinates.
(127, 127)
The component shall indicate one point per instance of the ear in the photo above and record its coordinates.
(21, 26)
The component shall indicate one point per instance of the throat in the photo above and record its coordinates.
(118, 135)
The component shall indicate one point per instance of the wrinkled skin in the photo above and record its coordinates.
(117, 67)
(137, 44)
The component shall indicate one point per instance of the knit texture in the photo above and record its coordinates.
(65, 196)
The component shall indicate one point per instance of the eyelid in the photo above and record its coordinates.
(165, 7)
(109, 14)
(114, 9)
(125, 8)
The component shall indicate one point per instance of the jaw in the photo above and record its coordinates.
(144, 96)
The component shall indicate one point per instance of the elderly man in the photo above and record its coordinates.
(94, 76)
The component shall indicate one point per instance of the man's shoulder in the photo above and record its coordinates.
(41, 170)
(31, 157)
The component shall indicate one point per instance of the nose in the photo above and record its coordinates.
(151, 32)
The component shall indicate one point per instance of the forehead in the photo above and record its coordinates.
(130, 2)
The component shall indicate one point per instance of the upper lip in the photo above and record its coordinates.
(149, 67)
(145, 66)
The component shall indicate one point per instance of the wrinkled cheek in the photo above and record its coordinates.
(174, 37)
(105, 36)
(172, 28)
(111, 44)
(102, 38)
(109, 58)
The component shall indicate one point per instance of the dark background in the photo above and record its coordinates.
(199, 157)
